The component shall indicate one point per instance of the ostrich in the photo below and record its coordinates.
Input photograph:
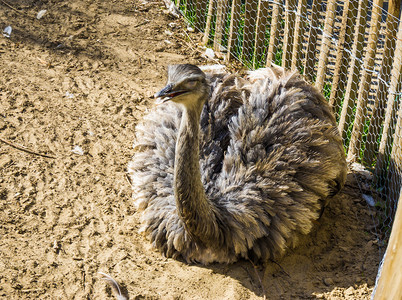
(231, 167)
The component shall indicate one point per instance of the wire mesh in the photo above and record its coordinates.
(351, 50)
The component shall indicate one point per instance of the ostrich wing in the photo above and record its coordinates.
(284, 159)
(226, 98)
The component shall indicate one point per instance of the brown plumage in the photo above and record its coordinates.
(235, 167)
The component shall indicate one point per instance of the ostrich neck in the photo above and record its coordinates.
(195, 210)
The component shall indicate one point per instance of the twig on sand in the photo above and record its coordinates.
(282, 269)
(129, 179)
(13, 8)
(140, 24)
(32, 290)
(25, 149)
(191, 42)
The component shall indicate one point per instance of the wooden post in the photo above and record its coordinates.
(250, 16)
(298, 39)
(390, 282)
(262, 20)
(220, 24)
(395, 166)
(312, 42)
(201, 11)
(290, 6)
(390, 113)
(274, 33)
(325, 44)
(377, 116)
(233, 38)
(342, 54)
(364, 84)
(205, 38)
(354, 69)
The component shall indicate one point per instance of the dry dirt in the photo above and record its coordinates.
(82, 75)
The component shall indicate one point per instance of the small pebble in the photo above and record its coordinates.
(369, 199)
(4, 160)
(328, 281)
(370, 244)
(209, 53)
(69, 95)
(78, 150)
(160, 49)
(41, 14)
(349, 291)
(7, 31)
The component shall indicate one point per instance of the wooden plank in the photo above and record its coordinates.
(250, 16)
(342, 54)
(234, 28)
(390, 282)
(298, 39)
(201, 14)
(207, 31)
(261, 27)
(390, 113)
(326, 44)
(378, 109)
(354, 70)
(364, 84)
(290, 16)
(312, 41)
(274, 33)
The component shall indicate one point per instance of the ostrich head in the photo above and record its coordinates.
(186, 85)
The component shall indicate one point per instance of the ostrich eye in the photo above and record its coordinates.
(191, 84)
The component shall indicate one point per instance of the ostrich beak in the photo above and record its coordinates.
(167, 93)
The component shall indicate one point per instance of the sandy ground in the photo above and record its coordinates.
(82, 76)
